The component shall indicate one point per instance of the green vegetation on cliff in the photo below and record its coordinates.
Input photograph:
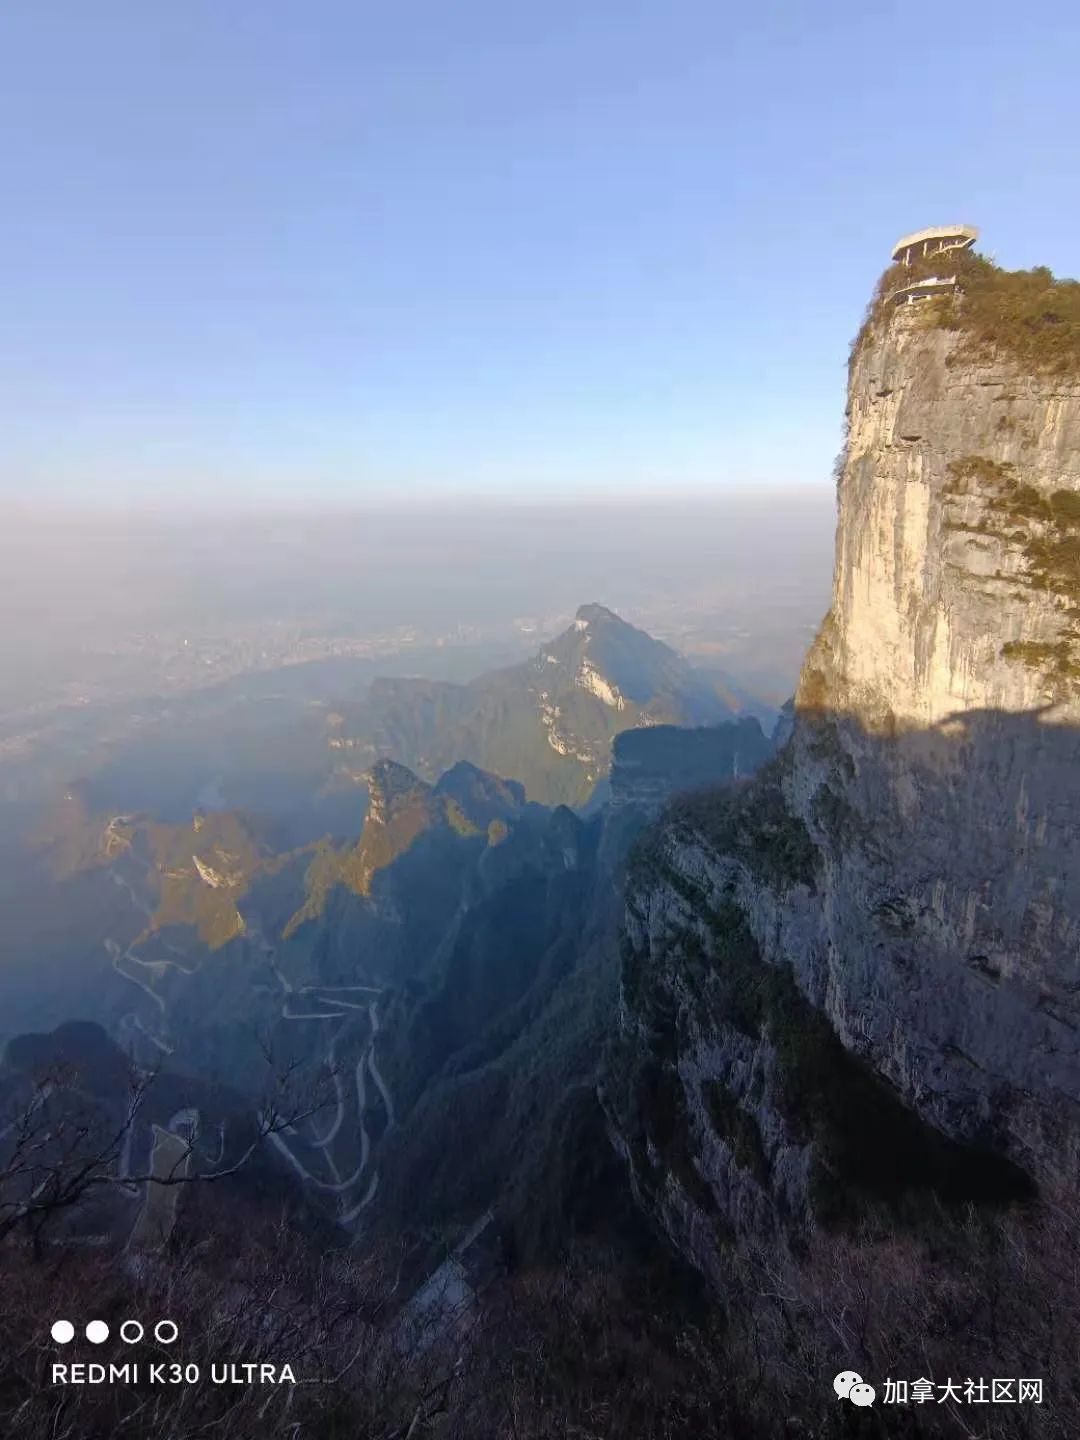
(867, 1146)
(1046, 528)
(1053, 659)
(753, 823)
(465, 804)
(203, 870)
(1028, 317)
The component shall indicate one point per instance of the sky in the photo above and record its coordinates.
(331, 252)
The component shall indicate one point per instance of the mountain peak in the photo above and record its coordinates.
(616, 661)
(392, 777)
(596, 615)
(479, 796)
(547, 722)
(391, 787)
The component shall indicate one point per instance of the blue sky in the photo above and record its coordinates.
(333, 250)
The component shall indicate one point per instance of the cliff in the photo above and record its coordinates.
(958, 547)
(855, 981)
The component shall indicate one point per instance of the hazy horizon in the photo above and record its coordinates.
(114, 605)
(143, 507)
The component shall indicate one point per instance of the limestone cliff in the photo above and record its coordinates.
(860, 975)
(956, 575)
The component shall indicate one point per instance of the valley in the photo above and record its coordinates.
(235, 955)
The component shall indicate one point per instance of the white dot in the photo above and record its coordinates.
(163, 1325)
(63, 1332)
(131, 1332)
(97, 1332)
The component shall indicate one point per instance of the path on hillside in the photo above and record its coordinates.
(122, 955)
(324, 1004)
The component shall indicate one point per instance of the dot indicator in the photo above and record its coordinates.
(97, 1332)
(63, 1332)
(131, 1332)
(166, 1331)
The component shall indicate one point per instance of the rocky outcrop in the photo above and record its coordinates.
(860, 975)
(403, 811)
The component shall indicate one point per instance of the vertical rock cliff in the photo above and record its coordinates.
(859, 976)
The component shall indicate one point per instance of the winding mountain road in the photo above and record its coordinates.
(365, 1065)
(306, 1003)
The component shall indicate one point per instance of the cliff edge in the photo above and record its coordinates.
(857, 979)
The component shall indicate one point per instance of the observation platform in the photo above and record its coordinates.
(921, 245)
(934, 241)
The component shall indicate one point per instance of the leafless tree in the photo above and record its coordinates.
(59, 1143)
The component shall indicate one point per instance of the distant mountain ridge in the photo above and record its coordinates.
(439, 966)
(548, 722)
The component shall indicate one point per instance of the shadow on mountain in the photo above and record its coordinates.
(856, 857)
(864, 957)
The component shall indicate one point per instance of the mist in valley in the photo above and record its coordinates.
(102, 607)
(159, 665)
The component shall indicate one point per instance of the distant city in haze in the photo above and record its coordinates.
(109, 607)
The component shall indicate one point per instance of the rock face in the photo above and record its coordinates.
(861, 974)
(940, 532)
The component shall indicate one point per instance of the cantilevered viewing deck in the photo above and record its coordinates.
(937, 240)
(933, 242)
